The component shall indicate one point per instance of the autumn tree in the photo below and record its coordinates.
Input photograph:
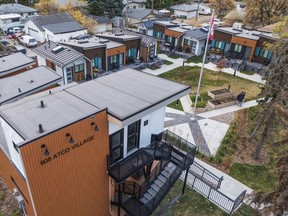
(222, 7)
(52, 6)
(265, 12)
(220, 65)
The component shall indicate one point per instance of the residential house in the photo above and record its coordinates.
(9, 20)
(146, 27)
(15, 8)
(159, 28)
(55, 27)
(185, 11)
(95, 136)
(194, 41)
(148, 48)
(243, 44)
(65, 61)
(15, 63)
(134, 4)
(103, 24)
(118, 22)
(132, 43)
(136, 15)
(29, 82)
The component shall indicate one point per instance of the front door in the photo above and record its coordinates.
(116, 146)
(69, 74)
(247, 52)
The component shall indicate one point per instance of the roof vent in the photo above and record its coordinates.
(104, 41)
(19, 90)
(57, 49)
(82, 41)
(3, 60)
(40, 128)
(42, 104)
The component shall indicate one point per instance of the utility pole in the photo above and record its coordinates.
(198, 6)
(127, 5)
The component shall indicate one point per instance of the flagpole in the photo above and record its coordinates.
(201, 72)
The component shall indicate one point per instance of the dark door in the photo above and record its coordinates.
(116, 146)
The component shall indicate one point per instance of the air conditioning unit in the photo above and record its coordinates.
(237, 25)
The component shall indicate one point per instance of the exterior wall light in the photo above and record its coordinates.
(46, 152)
(71, 140)
(95, 126)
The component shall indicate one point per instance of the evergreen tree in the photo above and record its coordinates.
(100, 7)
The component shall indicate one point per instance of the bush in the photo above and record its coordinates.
(193, 98)
(201, 104)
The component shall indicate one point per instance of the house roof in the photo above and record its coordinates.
(138, 14)
(146, 40)
(134, 1)
(28, 82)
(149, 24)
(100, 19)
(9, 65)
(93, 42)
(62, 58)
(268, 28)
(184, 7)
(9, 16)
(119, 34)
(15, 8)
(65, 27)
(128, 94)
(235, 15)
(199, 34)
(60, 19)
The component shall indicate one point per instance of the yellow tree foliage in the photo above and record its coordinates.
(51, 6)
(222, 7)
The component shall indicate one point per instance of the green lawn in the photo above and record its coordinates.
(190, 76)
(174, 105)
(256, 177)
(166, 62)
(193, 203)
(195, 59)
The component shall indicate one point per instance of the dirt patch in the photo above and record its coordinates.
(226, 118)
(8, 204)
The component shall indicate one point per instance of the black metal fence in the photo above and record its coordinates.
(213, 194)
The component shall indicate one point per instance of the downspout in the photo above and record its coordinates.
(91, 67)
(63, 75)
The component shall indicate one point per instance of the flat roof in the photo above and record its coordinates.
(28, 82)
(167, 23)
(178, 29)
(127, 92)
(90, 43)
(123, 36)
(61, 109)
(248, 36)
(16, 61)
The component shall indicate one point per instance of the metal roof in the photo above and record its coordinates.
(198, 34)
(28, 82)
(184, 7)
(15, 8)
(9, 65)
(62, 58)
(146, 40)
(64, 27)
(99, 19)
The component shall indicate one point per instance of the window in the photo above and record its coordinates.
(237, 48)
(133, 136)
(79, 68)
(187, 42)
(264, 53)
(97, 62)
(121, 59)
(116, 146)
(113, 59)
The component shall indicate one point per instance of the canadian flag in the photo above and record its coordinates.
(211, 29)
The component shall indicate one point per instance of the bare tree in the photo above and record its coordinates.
(222, 7)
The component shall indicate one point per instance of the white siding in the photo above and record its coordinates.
(102, 27)
(32, 30)
(199, 47)
(155, 126)
(188, 15)
(11, 135)
(62, 37)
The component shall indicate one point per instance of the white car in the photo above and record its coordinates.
(28, 41)
(17, 30)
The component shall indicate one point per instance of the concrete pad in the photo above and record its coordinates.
(184, 131)
(171, 110)
(213, 132)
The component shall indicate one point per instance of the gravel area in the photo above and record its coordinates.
(225, 118)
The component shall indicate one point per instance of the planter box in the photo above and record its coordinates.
(220, 93)
(220, 103)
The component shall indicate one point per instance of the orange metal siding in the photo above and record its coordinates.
(75, 183)
(245, 42)
(172, 33)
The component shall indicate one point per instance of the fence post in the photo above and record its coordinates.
(185, 180)
(220, 182)
(209, 192)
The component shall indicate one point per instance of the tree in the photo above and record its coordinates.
(265, 12)
(222, 7)
(220, 65)
(52, 6)
(111, 7)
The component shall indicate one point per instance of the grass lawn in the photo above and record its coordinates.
(193, 203)
(248, 72)
(166, 62)
(174, 56)
(175, 106)
(256, 177)
(190, 76)
(195, 59)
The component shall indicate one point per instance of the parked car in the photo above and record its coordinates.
(17, 30)
(28, 41)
